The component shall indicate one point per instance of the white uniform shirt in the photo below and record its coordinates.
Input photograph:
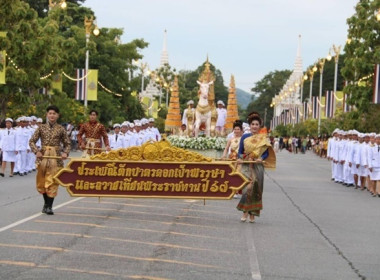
(364, 154)
(222, 115)
(184, 116)
(117, 141)
(8, 140)
(374, 157)
(22, 139)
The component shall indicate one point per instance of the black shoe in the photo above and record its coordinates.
(15, 173)
(49, 211)
(2, 174)
(21, 174)
(44, 209)
(25, 173)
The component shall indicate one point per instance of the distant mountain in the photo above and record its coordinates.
(244, 98)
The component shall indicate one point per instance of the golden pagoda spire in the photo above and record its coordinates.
(173, 118)
(232, 107)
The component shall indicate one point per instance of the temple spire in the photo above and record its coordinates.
(164, 54)
(298, 63)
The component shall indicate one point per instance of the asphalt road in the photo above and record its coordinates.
(310, 228)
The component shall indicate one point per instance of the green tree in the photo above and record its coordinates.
(362, 53)
(34, 49)
(267, 88)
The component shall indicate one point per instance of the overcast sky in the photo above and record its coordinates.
(246, 38)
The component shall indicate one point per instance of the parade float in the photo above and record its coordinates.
(200, 135)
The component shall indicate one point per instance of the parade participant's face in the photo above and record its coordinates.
(255, 126)
(361, 140)
(52, 116)
(137, 128)
(372, 139)
(117, 130)
(124, 129)
(237, 131)
(183, 127)
(377, 140)
(366, 139)
(23, 123)
(8, 125)
(151, 124)
(93, 117)
(355, 137)
(220, 106)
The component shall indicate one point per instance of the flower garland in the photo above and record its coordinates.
(198, 143)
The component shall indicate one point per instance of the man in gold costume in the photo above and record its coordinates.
(54, 144)
(94, 133)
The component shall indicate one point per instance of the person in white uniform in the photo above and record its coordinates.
(190, 105)
(374, 165)
(8, 146)
(222, 116)
(330, 151)
(22, 146)
(154, 129)
(351, 156)
(117, 140)
(370, 149)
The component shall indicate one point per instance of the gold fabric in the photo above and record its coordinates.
(93, 131)
(234, 148)
(52, 137)
(203, 109)
(45, 182)
(255, 146)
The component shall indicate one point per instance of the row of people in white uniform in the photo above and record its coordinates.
(355, 159)
(134, 133)
(14, 145)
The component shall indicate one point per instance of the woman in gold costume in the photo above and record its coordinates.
(255, 148)
(232, 146)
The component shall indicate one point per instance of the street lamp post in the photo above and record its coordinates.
(336, 58)
(321, 66)
(142, 66)
(88, 23)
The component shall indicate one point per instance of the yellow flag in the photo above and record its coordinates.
(56, 83)
(92, 85)
(323, 107)
(155, 109)
(2, 61)
(339, 101)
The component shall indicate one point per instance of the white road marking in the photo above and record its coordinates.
(253, 262)
(37, 215)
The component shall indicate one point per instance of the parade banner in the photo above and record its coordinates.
(81, 89)
(376, 85)
(155, 109)
(151, 171)
(92, 85)
(346, 106)
(56, 83)
(339, 102)
(315, 108)
(329, 108)
(3, 61)
(305, 110)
